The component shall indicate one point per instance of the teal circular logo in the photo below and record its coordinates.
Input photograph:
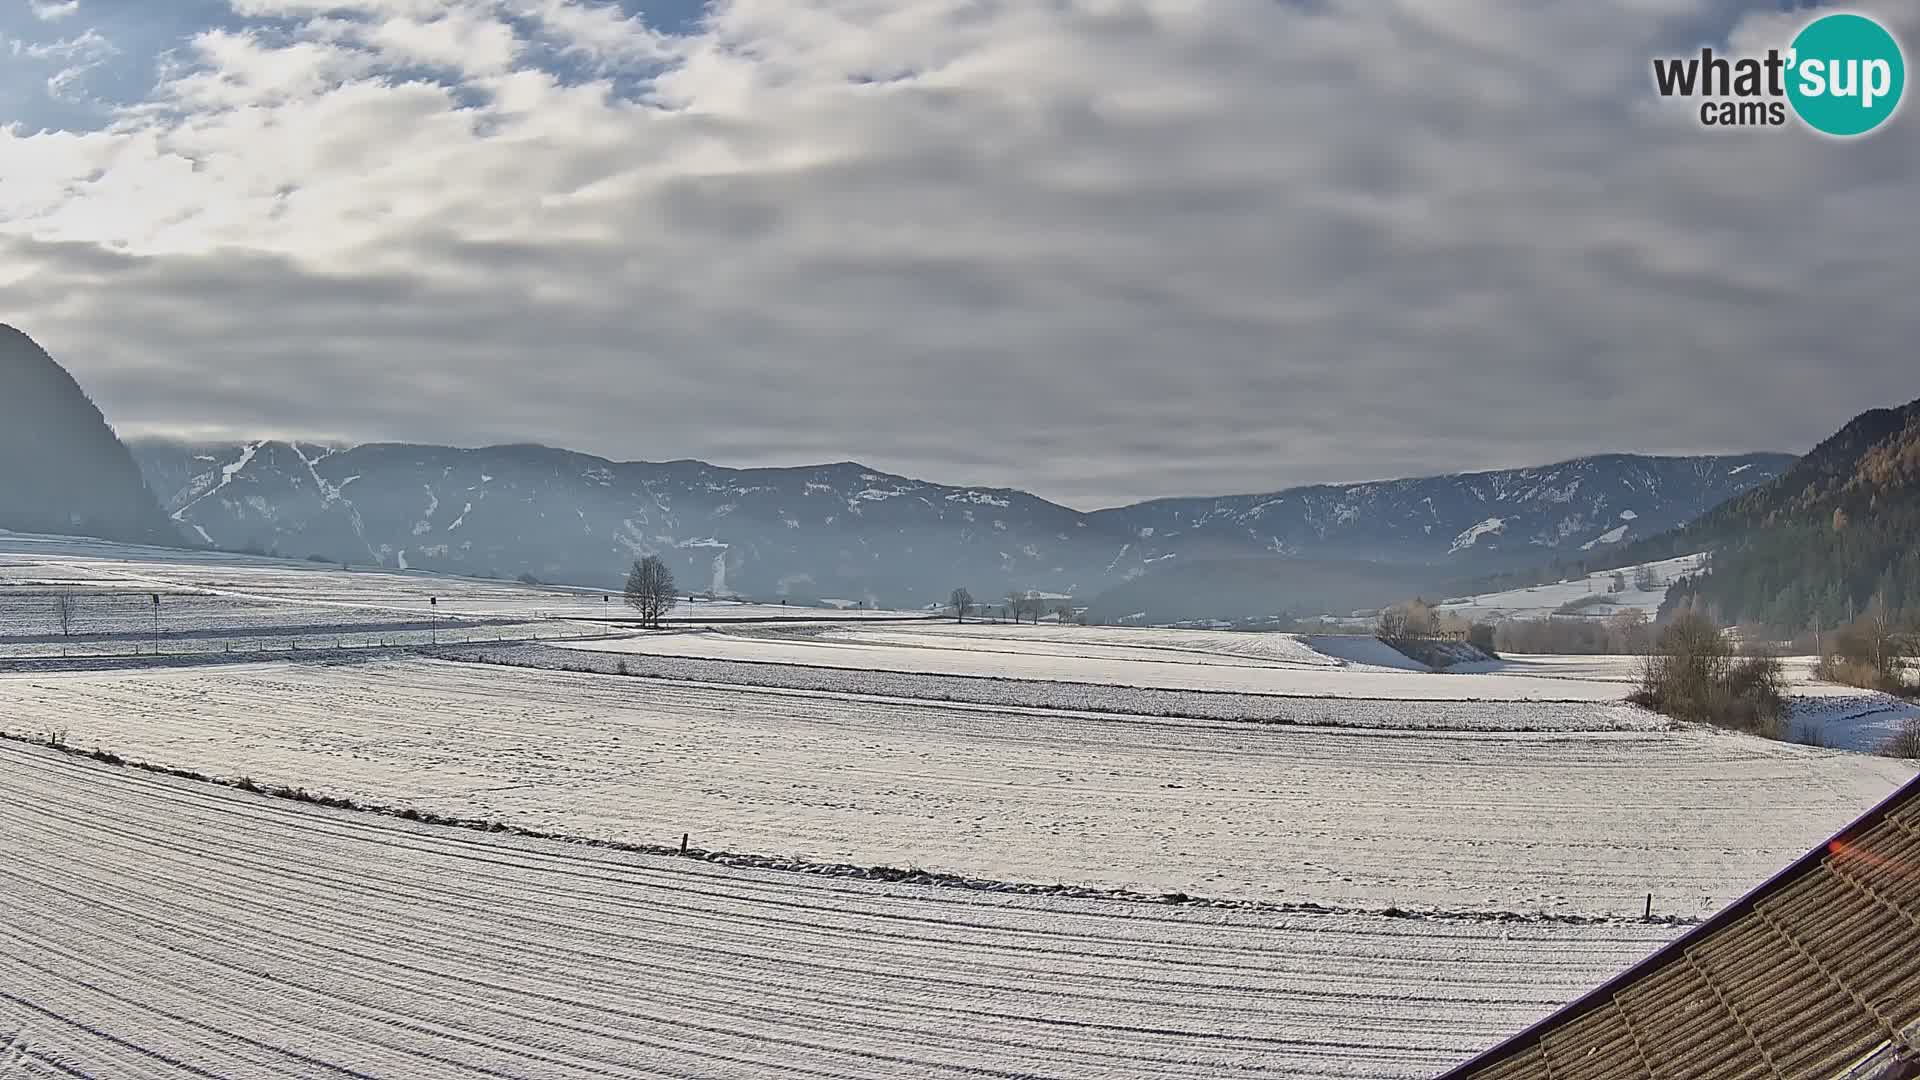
(1845, 74)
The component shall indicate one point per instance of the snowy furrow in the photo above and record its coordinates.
(1556, 821)
(1348, 709)
(1044, 660)
(180, 929)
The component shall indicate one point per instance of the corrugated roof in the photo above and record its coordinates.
(1811, 976)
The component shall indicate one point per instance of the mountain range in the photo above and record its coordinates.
(849, 532)
(840, 532)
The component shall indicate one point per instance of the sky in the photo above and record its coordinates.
(1101, 250)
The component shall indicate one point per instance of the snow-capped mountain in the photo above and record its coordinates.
(848, 532)
(826, 532)
(1510, 515)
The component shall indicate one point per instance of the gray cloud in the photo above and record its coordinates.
(1099, 251)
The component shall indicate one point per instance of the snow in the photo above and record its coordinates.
(1540, 601)
(425, 524)
(1346, 712)
(1361, 649)
(1861, 721)
(1576, 821)
(1611, 536)
(979, 498)
(227, 473)
(1473, 534)
(210, 598)
(237, 935)
(1127, 658)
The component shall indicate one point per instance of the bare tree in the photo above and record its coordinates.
(650, 590)
(1629, 633)
(960, 601)
(1063, 612)
(1869, 651)
(1016, 604)
(1645, 579)
(1408, 620)
(63, 610)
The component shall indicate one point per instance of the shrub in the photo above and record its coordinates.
(1480, 635)
(1406, 621)
(1622, 634)
(1869, 653)
(1582, 604)
(1693, 675)
(1905, 744)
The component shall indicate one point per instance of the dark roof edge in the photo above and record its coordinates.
(1675, 949)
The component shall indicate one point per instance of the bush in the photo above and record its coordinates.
(1626, 633)
(1906, 744)
(1407, 621)
(1693, 675)
(1481, 636)
(1580, 605)
(1868, 653)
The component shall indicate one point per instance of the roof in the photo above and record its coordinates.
(1815, 974)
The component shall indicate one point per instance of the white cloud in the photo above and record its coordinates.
(53, 10)
(1140, 246)
(79, 56)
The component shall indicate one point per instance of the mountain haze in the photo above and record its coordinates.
(848, 532)
(62, 469)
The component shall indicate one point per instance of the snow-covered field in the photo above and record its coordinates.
(1353, 712)
(1539, 601)
(179, 929)
(1109, 657)
(216, 602)
(52, 564)
(1566, 821)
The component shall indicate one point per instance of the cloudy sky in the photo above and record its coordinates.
(1099, 249)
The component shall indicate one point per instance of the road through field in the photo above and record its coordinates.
(1512, 821)
(161, 928)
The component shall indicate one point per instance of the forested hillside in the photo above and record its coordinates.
(1837, 533)
(62, 470)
